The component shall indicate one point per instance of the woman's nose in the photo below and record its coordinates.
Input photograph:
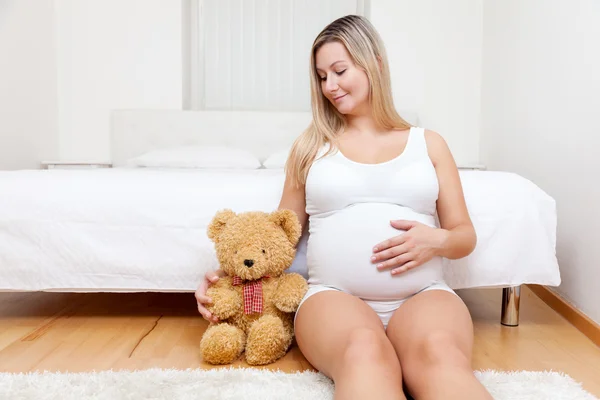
(331, 85)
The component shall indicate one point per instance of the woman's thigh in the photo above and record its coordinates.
(328, 321)
(433, 325)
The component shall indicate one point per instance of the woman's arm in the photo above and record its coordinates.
(294, 198)
(459, 237)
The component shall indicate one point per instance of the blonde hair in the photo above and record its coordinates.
(367, 51)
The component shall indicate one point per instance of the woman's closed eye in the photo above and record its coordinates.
(324, 78)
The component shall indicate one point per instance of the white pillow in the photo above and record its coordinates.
(277, 160)
(197, 157)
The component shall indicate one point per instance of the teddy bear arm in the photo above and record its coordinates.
(226, 302)
(291, 289)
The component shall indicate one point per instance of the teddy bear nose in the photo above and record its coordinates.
(248, 263)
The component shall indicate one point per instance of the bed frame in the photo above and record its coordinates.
(134, 132)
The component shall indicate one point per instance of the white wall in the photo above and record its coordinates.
(28, 107)
(540, 100)
(91, 57)
(113, 54)
(434, 48)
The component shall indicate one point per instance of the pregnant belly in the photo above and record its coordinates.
(341, 244)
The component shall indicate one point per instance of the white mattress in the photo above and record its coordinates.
(145, 230)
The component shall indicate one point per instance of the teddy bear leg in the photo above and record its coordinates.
(222, 344)
(268, 340)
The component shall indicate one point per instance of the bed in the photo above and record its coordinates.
(142, 227)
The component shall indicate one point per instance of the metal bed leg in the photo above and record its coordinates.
(510, 305)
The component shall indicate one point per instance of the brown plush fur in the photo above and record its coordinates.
(270, 241)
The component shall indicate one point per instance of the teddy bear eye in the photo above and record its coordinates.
(264, 251)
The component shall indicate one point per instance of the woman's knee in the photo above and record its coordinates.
(441, 348)
(365, 346)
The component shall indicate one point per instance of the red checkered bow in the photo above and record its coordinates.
(253, 295)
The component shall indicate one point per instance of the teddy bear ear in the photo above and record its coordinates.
(288, 221)
(218, 223)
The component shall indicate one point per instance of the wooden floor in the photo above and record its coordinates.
(84, 332)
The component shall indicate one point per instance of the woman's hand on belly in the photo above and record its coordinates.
(419, 244)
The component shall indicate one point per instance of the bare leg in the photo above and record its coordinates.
(342, 337)
(432, 333)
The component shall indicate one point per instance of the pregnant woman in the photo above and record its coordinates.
(378, 314)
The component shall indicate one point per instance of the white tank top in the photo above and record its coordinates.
(350, 206)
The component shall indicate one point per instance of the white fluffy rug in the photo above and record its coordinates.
(247, 384)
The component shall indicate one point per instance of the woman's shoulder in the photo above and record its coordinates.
(433, 138)
(437, 147)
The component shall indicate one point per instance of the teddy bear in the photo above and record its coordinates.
(256, 300)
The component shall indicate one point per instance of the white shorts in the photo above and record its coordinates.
(384, 309)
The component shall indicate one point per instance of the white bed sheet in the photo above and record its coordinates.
(145, 229)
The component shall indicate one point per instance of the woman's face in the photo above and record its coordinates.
(344, 84)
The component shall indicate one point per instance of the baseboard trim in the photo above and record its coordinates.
(579, 320)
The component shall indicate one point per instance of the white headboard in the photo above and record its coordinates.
(134, 132)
